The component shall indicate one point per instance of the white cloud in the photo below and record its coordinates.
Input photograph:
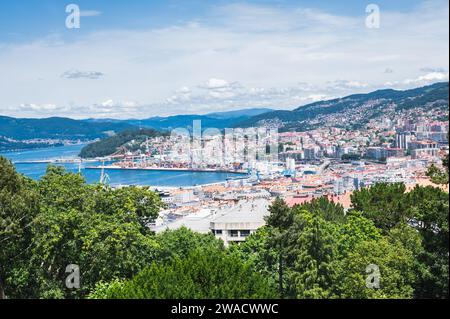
(343, 85)
(421, 80)
(217, 84)
(107, 103)
(27, 107)
(236, 56)
(428, 78)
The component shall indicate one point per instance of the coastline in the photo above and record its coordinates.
(193, 170)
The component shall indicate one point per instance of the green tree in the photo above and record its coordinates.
(69, 222)
(429, 208)
(18, 206)
(256, 251)
(136, 202)
(183, 241)
(204, 274)
(327, 257)
(437, 175)
(425, 210)
(314, 247)
(383, 203)
(325, 208)
(396, 271)
(354, 231)
(280, 218)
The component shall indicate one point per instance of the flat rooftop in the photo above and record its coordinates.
(246, 211)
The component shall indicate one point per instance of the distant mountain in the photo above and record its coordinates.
(355, 110)
(218, 120)
(185, 121)
(239, 113)
(57, 128)
(13, 131)
(156, 126)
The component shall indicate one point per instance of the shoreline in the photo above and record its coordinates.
(193, 170)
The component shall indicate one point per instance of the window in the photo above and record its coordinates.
(218, 231)
(233, 233)
(245, 233)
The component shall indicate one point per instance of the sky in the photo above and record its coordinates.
(138, 59)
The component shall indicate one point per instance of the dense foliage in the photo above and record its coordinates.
(390, 244)
(439, 176)
(202, 274)
(47, 225)
(314, 250)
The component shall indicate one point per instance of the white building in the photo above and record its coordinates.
(184, 196)
(232, 225)
(240, 221)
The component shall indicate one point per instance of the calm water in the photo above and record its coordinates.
(117, 177)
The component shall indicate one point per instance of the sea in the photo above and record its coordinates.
(116, 177)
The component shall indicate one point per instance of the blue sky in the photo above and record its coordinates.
(25, 20)
(140, 58)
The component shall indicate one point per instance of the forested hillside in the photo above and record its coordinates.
(112, 144)
(57, 128)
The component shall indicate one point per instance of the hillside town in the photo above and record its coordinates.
(330, 161)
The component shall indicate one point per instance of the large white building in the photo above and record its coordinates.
(242, 220)
(233, 224)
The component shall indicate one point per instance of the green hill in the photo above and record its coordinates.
(112, 144)
(57, 128)
(355, 110)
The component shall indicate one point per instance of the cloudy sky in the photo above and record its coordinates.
(137, 59)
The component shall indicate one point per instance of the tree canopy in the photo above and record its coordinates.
(203, 274)
(390, 244)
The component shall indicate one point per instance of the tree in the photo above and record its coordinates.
(425, 209)
(183, 241)
(437, 175)
(18, 206)
(429, 207)
(133, 201)
(325, 208)
(99, 229)
(314, 249)
(204, 274)
(383, 203)
(392, 262)
(327, 257)
(112, 144)
(256, 251)
(355, 230)
(281, 217)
